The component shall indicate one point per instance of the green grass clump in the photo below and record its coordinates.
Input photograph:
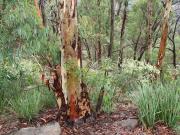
(158, 103)
(29, 103)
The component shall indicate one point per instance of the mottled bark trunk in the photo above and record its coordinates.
(70, 81)
(164, 36)
(149, 31)
(112, 30)
(122, 38)
(56, 86)
(70, 58)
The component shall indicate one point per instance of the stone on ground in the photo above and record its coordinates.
(49, 129)
(128, 123)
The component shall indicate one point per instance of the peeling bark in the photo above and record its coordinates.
(70, 57)
(164, 36)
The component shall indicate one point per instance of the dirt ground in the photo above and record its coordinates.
(104, 124)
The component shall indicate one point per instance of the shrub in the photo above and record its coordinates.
(133, 73)
(97, 80)
(158, 103)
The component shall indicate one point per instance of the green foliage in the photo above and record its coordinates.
(158, 103)
(28, 104)
(14, 78)
(23, 34)
(47, 98)
(9, 85)
(133, 73)
(97, 80)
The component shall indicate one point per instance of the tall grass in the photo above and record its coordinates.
(8, 91)
(28, 104)
(158, 103)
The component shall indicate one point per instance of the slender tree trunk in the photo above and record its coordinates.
(112, 30)
(100, 100)
(122, 38)
(164, 36)
(174, 55)
(87, 49)
(119, 8)
(149, 31)
(79, 52)
(173, 42)
(136, 45)
(99, 51)
(141, 54)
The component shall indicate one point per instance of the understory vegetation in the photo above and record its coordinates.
(158, 103)
(116, 48)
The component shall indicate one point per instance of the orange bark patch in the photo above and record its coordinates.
(162, 48)
(72, 107)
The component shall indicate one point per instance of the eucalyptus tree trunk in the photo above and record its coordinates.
(164, 36)
(122, 38)
(70, 61)
(112, 30)
(149, 31)
(99, 50)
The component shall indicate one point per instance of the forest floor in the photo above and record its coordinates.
(104, 124)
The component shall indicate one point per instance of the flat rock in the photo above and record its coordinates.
(128, 123)
(48, 129)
